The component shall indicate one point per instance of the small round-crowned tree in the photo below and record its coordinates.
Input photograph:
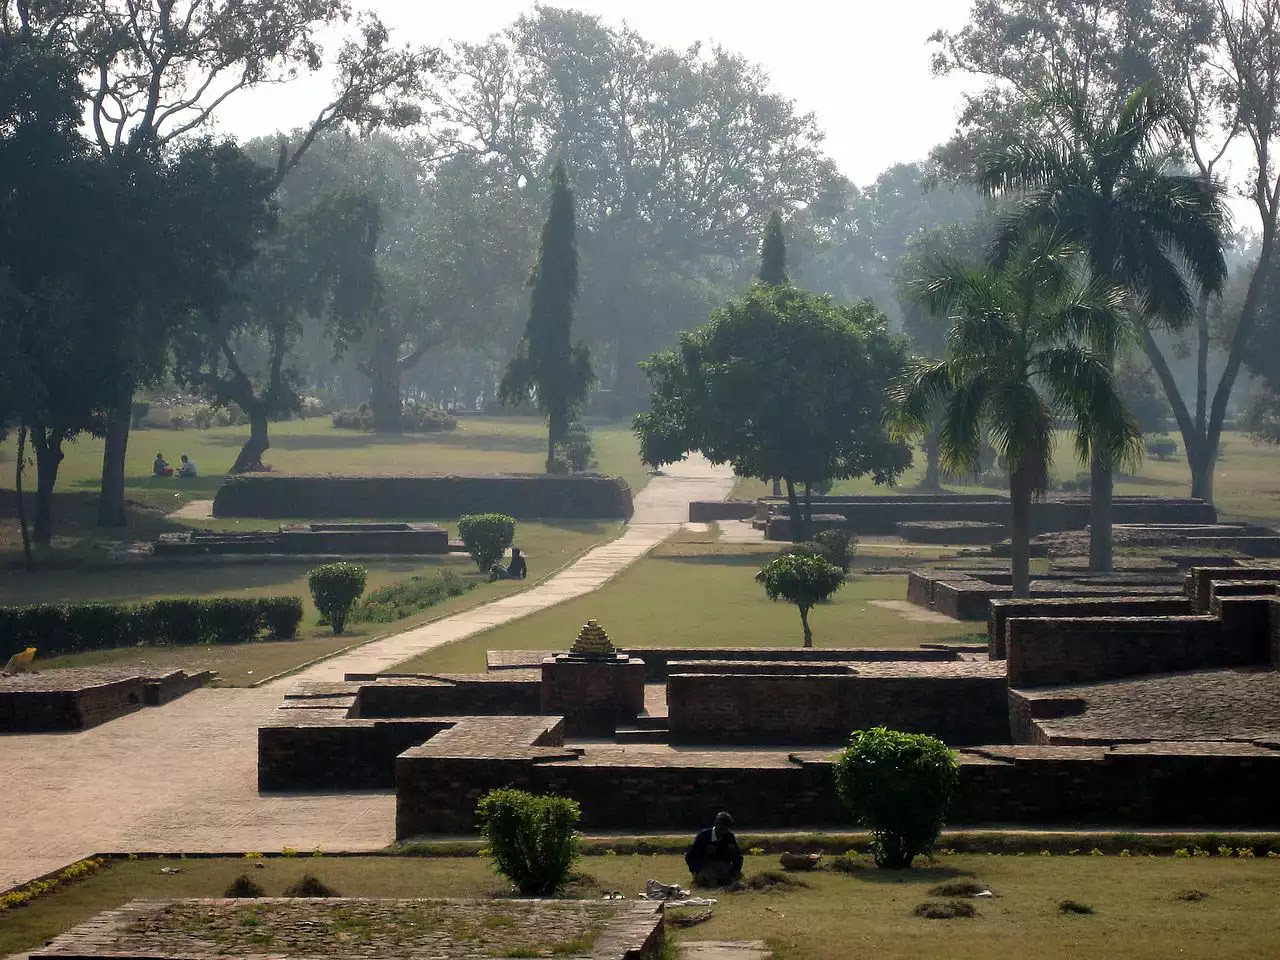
(803, 580)
(897, 785)
(335, 588)
(487, 536)
(532, 839)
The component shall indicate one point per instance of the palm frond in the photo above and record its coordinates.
(1080, 385)
(960, 433)
(917, 394)
(1021, 428)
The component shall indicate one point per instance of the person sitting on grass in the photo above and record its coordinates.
(161, 467)
(188, 468)
(516, 571)
(714, 858)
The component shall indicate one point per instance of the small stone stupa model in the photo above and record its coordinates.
(592, 642)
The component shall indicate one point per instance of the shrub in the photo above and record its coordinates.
(55, 629)
(281, 616)
(244, 886)
(532, 839)
(575, 452)
(415, 417)
(897, 785)
(487, 536)
(171, 623)
(802, 580)
(230, 620)
(1162, 448)
(399, 600)
(837, 546)
(335, 588)
(310, 886)
(138, 411)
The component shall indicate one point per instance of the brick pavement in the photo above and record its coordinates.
(184, 776)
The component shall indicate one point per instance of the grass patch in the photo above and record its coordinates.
(945, 910)
(397, 601)
(1246, 480)
(1143, 919)
(549, 545)
(698, 594)
(479, 445)
(1076, 907)
(958, 888)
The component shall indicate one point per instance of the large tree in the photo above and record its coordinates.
(158, 71)
(1094, 178)
(550, 369)
(779, 383)
(679, 156)
(1031, 343)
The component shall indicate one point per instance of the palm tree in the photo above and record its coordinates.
(1029, 345)
(1103, 182)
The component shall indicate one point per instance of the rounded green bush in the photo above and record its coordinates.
(487, 536)
(897, 785)
(335, 588)
(533, 839)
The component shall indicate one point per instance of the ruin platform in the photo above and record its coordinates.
(343, 927)
(77, 698)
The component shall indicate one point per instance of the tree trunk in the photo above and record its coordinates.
(808, 508)
(22, 508)
(48, 458)
(777, 487)
(932, 471)
(799, 528)
(804, 621)
(1202, 463)
(384, 398)
(1202, 365)
(250, 458)
(1020, 534)
(1101, 482)
(111, 511)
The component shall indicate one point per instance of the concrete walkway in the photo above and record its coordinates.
(183, 777)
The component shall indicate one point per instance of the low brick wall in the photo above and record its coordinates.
(46, 711)
(1172, 784)
(323, 750)
(1044, 652)
(962, 703)
(1200, 581)
(999, 611)
(523, 496)
(659, 661)
(709, 511)
(448, 696)
(951, 532)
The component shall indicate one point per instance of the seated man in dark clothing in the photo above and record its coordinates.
(517, 570)
(714, 858)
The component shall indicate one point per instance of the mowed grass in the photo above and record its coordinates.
(1138, 911)
(701, 593)
(478, 445)
(549, 546)
(1246, 481)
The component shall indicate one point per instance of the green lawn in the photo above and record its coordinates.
(1247, 485)
(478, 445)
(549, 546)
(702, 594)
(1139, 913)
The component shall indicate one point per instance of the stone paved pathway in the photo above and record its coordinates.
(184, 776)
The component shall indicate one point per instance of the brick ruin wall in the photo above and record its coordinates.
(822, 709)
(999, 612)
(47, 711)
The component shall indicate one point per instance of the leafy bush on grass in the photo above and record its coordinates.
(532, 839)
(407, 597)
(415, 417)
(838, 546)
(335, 588)
(487, 536)
(897, 785)
(310, 886)
(230, 620)
(244, 886)
(281, 616)
(803, 580)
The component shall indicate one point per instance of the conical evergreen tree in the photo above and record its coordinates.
(773, 253)
(549, 369)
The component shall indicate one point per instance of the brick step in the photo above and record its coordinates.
(642, 735)
(645, 721)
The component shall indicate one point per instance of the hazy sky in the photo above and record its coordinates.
(862, 66)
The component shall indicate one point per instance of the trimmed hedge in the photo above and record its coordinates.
(56, 629)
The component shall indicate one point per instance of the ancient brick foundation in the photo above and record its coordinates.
(523, 496)
(595, 696)
(999, 611)
(79, 698)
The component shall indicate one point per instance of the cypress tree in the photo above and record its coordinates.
(549, 369)
(773, 253)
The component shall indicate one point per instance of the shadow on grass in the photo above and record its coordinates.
(927, 874)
